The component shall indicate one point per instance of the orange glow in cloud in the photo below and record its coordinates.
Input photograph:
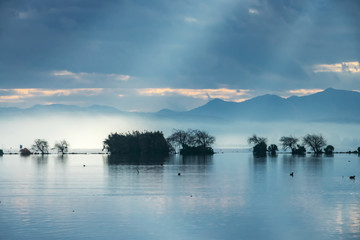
(11, 99)
(303, 92)
(16, 95)
(222, 93)
(351, 67)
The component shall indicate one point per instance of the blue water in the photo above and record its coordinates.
(226, 196)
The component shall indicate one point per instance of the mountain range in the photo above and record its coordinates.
(330, 105)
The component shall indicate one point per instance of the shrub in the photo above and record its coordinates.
(260, 149)
(299, 150)
(329, 149)
(197, 150)
(25, 152)
(272, 149)
(137, 143)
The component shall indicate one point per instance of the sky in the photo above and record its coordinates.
(147, 55)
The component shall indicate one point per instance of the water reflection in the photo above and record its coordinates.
(41, 160)
(62, 159)
(291, 162)
(273, 158)
(225, 196)
(259, 164)
(197, 160)
(135, 160)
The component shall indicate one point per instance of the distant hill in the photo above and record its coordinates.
(60, 108)
(330, 105)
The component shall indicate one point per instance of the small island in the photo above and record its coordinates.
(137, 143)
(147, 143)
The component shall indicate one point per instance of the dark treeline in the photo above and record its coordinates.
(316, 142)
(41, 146)
(190, 142)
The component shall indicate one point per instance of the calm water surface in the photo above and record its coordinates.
(227, 196)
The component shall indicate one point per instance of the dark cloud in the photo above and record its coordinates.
(181, 44)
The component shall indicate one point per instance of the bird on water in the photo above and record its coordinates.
(292, 174)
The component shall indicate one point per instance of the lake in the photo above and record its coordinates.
(225, 196)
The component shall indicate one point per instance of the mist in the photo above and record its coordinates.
(87, 132)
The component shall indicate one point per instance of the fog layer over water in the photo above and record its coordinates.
(226, 196)
(85, 131)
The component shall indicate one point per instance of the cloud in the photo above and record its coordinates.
(235, 95)
(253, 11)
(303, 92)
(190, 20)
(20, 94)
(351, 67)
(24, 15)
(83, 76)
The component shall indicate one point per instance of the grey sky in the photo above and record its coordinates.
(146, 55)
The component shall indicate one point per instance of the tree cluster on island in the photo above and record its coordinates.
(41, 146)
(137, 143)
(314, 141)
(190, 142)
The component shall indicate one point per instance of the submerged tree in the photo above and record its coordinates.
(315, 142)
(292, 144)
(272, 149)
(25, 152)
(192, 142)
(260, 146)
(329, 149)
(202, 138)
(256, 140)
(40, 146)
(299, 150)
(289, 143)
(62, 147)
(178, 138)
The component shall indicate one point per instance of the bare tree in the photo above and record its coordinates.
(178, 138)
(289, 143)
(62, 146)
(256, 140)
(260, 146)
(192, 141)
(202, 138)
(40, 145)
(315, 142)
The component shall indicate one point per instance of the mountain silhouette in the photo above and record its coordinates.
(330, 105)
(60, 108)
